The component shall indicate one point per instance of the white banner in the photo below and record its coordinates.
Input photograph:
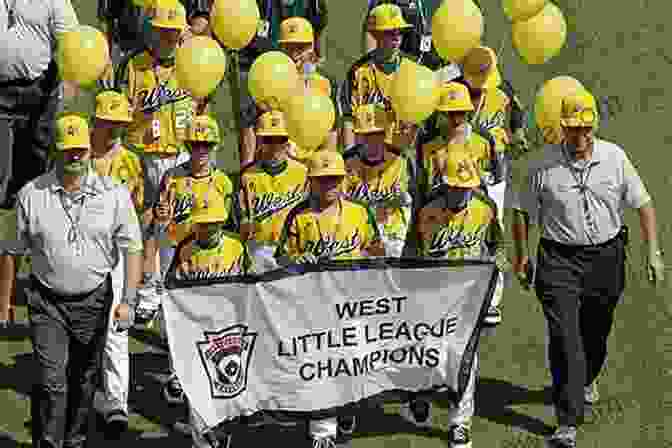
(324, 339)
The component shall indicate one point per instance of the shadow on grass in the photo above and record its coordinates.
(8, 441)
(15, 331)
(18, 377)
(494, 398)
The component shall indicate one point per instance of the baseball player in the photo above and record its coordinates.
(112, 160)
(328, 227)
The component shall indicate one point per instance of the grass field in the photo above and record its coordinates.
(616, 50)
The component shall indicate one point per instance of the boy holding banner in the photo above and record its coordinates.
(329, 227)
(268, 190)
(195, 183)
(459, 223)
(209, 253)
(380, 177)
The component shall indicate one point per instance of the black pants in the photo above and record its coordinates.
(27, 113)
(67, 335)
(579, 288)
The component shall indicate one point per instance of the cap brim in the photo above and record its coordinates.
(114, 119)
(169, 26)
(326, 173)
(272, 134)
(368, 131)
(208, 220)
(454, 109)
(575, 123)
(296, 41)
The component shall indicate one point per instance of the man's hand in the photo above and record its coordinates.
(521, 267)
(655, 266)
(124, 316)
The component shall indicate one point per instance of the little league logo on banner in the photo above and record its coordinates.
(323, 339)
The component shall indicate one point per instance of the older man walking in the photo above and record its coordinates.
(73, 223)
(576, 192)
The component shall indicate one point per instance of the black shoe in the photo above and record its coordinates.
(116, 424)
(346, 424)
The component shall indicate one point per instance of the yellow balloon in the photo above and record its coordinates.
(235, 22)
(541, 37)
(548, 105)
(415, 92)
(309, 118)
(83, 55)
(200, 65)
(457, 27)
(273, 78)
(521, 10)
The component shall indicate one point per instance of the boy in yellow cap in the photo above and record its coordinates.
(111, 159)
(161, 113)
(496, 102)
(329, 227)
(458, 223)
(381, 178)
(269, 189)
(369, 79)
(297, 39)
(195, 183)
(455, 133)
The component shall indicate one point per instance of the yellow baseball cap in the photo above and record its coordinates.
(113, 106)
(370, 119)
(72, 132)
(461, 169)
(296, 30)
(479, 68)
(169, 14)
(387, 17)
(579, 111)
(326, 163)
(203, 128)
(272, 124)
(455, 98)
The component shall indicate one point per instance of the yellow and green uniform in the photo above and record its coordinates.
(368, 83)
(152, 90)
(124, 167)
(191, 192)
(482, 148)
(345, 236)
(266, 197)
(382, 187)
(225, 259)
(470, 234)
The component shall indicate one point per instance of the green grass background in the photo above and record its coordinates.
(616, 49)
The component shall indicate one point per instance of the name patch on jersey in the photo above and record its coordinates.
(267, 204)
(152, 100)
(450, 238)
(329, 247)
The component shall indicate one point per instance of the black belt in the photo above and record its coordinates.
(36, 283)
(22, 82)
(621, 235)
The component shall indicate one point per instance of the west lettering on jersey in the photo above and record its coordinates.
(267, 204)
(454, 238)
(151, 100)
(330, 247)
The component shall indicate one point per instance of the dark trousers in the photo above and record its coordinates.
(579, 288)
(67, 335)
(27, 113)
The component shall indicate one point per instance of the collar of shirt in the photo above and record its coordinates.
(90, 184)
(565, 157)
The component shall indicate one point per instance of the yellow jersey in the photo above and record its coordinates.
(226, 259)
(384, 187)
(188, 192)
(433, 159)
(465, 235)
(161, 110)
(266, 198)
(492, 116)
(368, 82)
(346, 236)
(124, 167)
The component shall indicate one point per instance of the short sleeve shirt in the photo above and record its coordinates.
(553, 196)
(74, 238)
